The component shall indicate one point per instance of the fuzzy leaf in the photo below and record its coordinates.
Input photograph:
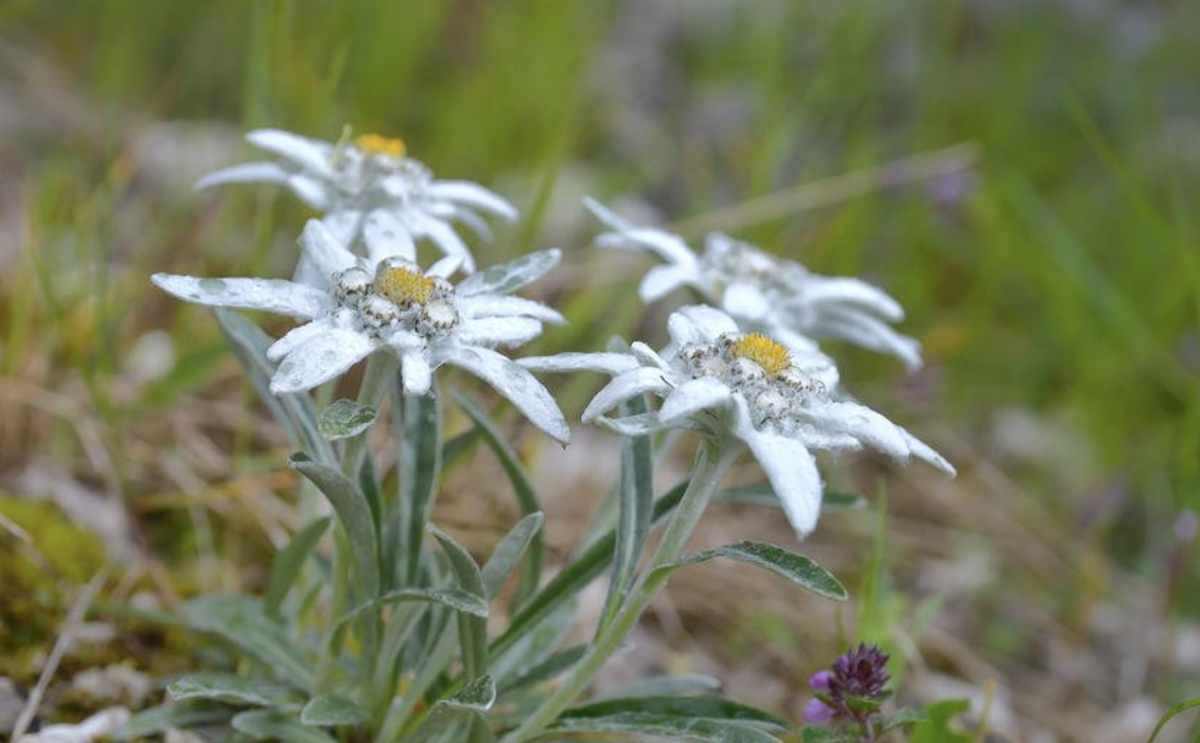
(160, 718)
(761, 494)
(262, 724)
(353, 511)
(664, 726)
(289, 561)
(527, 498)
(800, 570)
(242, 691)
(472, 630)
(329, 710)
(707, 707)
(242, 621)
(508, 552)
(345, 418)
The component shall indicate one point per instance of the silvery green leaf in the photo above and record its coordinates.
(160, 718)
(547, 669)
(464, 708)
(242, 622)
(664, 726)
(505, 278)
(288, 562)
(419, 431)
(761, 494)
(353, 511)
(661, 686)
(800, 570)
(472, 630)
(478, 694)
(263, 724)
(241, 691)
(345, 418)
(573, 578)
(693, 707)
(509, 551)
(329, 710)
(526, 497)
(636, 504)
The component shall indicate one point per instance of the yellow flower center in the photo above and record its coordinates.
(375, 144)
(760, 349)
(403, 286)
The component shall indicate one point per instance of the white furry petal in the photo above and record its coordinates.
(515, 383)
(623, 387)
(269, 295)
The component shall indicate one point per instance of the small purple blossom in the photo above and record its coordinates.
(817, 712)
(857, 676)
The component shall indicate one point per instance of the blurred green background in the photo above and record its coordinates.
(1051, 266)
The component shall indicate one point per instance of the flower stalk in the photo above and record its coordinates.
(712, 461)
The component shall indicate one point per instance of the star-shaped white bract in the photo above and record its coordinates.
(371, 194)
(360, 307)
(716, 379)
(763, 292)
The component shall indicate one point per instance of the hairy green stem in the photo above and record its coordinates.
(711, 463)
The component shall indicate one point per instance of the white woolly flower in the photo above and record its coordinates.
(361, 307)
(713, 378)
(370, 193)
(764, 292)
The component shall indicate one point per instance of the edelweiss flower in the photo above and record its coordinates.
(720, 381)
(370, 191)
(763, 292)
(421, 317)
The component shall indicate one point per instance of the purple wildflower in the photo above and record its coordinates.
(857, 676)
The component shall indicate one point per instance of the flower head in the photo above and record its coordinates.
(372, 194)
(358, 307)
(764, 292)
(781, 402)
(856, 677)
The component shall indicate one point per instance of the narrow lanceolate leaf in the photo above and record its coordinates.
(636, 505)
(159, 719)
(263, 724)
(345, 418)
(328, 710)
(289, 561)
(508, 552)
(574, 577)
(242, 622)
(662, 686)
(800, 570)
(761, 494)
(457, 599)
(241, 691)
(670, 727)
(527, 499)
(710, 707)
(547, 669)
(466, 707)
(296, 413)
(421, 449)
(472, 630)
(505, 278)
(354, 513)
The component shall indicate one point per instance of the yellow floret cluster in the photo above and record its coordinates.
(404, 286)
(771, 356)
(376, 144)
